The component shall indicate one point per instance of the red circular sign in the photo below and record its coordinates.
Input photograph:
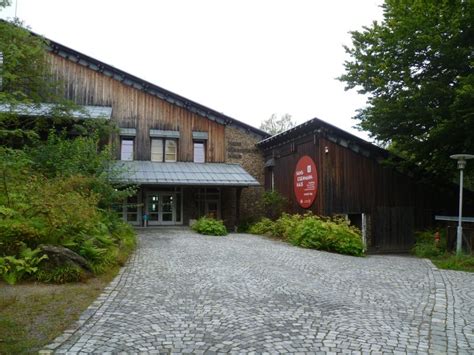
(305, 181)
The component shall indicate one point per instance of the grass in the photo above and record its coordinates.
(425, 247)
(32, 315)
(453, 262)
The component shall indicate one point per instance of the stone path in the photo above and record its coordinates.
(186, 293)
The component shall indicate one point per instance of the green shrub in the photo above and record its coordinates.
(13, 269)
(210, 226)
(309, 231)
(265, 226)
(124, 238)
(346, 239)
(273, 203)
(58, 210)
(333, 235)
(425, 245)
(285, 226)
(245, 224)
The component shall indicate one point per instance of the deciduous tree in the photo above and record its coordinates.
(275, 125)
(417, 68)
(27, 80)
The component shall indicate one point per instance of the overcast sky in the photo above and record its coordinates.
(245, 58)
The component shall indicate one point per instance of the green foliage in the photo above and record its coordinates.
(455, 262)
(426, 246)
(24, 80)
(27, 81)
(60, 275)
(53, 190)
(61, 198)
(13, 269)
(285, 226)
(309, 231)
(244, 224)
(417, 68)
(210, 226)
(59, 157)
(264, 226)
(273, 204)
(24, 71)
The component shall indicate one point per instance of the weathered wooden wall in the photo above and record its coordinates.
(352, 183)
(133, 108)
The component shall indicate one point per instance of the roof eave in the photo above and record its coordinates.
(289, 134)
(155, 90)
(173, 183)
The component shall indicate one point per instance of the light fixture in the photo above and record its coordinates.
(461, 159)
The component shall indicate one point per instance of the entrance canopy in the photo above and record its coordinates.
(182, 174)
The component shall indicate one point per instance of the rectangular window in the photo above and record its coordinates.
(126, 151)
(171, 150)
(157, 150)
(164, 149)
(199, 152)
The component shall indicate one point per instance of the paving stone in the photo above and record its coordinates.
(186, 293)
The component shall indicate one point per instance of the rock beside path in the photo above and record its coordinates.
(58, 255)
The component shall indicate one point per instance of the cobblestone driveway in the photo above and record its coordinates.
(187, 293)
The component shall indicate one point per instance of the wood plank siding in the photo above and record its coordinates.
(352, 183)
(134, 108)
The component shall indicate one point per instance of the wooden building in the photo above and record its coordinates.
(352, 180)
(188, 160)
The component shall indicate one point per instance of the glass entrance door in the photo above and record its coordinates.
(168, 209)
(161, 208)
(153, 208)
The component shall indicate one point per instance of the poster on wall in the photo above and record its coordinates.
(305, 181)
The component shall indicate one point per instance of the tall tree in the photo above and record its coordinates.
(27, 80)
(275, 125)
(417, 67)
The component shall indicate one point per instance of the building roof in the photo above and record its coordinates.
(45, 110)
(152, 89)
(181, 174)
(333, 133)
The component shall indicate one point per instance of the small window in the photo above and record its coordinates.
(171, 150)
(126, 151)
(157, 150)
(164, 149)
(199, 152)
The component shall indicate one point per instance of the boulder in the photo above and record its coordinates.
(58, 255)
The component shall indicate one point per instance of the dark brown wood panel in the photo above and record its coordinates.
(133, 108)
(351, 183)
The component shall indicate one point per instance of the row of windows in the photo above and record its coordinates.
(163, 150)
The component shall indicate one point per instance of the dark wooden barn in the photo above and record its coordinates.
(354, 180)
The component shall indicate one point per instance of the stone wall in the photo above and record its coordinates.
(241, 149)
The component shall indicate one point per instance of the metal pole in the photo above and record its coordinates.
(459, 231)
